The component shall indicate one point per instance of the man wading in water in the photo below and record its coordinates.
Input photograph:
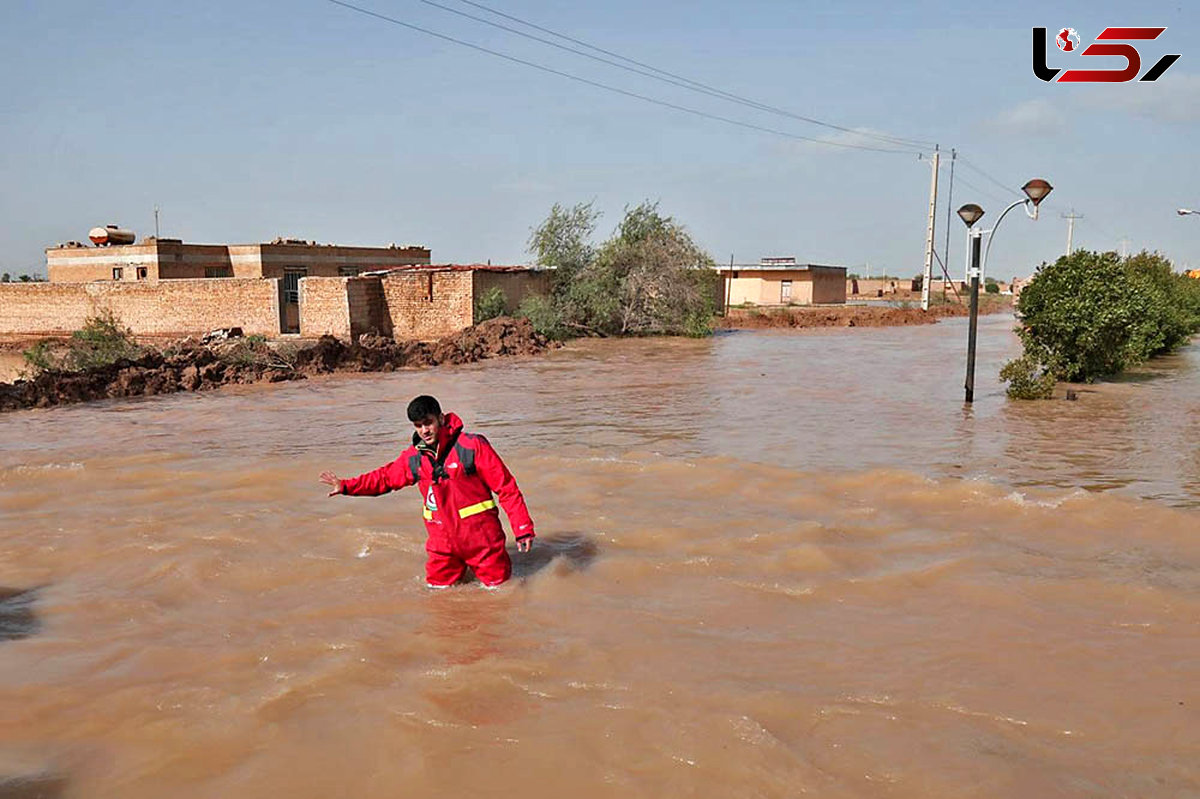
(457, 473)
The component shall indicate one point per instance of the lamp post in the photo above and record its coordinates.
(1035, 191)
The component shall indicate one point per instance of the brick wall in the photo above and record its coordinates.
(324, 307)
(368, 307)
(426, 305)
(171, 307)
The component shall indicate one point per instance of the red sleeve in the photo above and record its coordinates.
(501, 482)
(393, 477)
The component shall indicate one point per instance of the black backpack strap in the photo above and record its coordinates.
(414, 466)
(466, 458)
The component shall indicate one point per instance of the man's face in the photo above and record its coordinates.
(428, 427)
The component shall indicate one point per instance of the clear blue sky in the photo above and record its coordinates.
(247, 120)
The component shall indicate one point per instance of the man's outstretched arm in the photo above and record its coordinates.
(392, 477)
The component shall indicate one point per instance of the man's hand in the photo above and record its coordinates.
(525, 544)
(329, 478)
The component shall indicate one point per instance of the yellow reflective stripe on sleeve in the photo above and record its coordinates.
(428, 514)
(478, 507)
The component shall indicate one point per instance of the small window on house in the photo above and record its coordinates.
(118, 273)
(785, 291)
(429, 289)
(348, 271)
(142, 272)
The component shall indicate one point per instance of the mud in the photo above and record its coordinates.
(189, 365)
(853, 315)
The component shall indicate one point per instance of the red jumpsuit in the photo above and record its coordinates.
(461, 517)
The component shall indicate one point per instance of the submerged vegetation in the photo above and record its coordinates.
(1091, 315)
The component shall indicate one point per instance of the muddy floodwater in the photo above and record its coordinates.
(769, 565)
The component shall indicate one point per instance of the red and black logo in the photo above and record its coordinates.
(1111, 43)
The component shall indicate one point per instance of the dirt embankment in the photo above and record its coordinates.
(191, 366)
(852, 315)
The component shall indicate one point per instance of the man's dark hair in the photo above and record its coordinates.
(422, 407)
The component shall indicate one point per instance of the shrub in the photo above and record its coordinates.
(992, 288)
(1026, 380)
(101, 341)
(493, 303)
(1091, 314)
(543, 314)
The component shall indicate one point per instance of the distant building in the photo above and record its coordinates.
(164, 287)
(782, 281)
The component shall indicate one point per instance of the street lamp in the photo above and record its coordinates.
(1035, 191)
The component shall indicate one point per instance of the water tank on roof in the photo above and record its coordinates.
(111, 234)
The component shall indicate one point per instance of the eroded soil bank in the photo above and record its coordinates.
(189, 365)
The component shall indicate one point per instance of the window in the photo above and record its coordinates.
(142, 272)
(429, 289)
(785, 291)
(118, 273)
(348, 271)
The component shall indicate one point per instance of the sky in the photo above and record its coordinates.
(244, 121)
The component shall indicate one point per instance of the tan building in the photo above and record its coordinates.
(411, 302)
(171, 259)
(782, 281)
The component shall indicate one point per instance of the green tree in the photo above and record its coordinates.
(648, 277)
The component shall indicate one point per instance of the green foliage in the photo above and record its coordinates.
(256, 338)
(543, 314)
(1027, 380)
(492, 304)
(648, 277)
(992, 288)
(562, 241)
(1092, 314)
(40, 357)
(101, 341)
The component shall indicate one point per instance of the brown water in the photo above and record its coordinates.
(770, 564)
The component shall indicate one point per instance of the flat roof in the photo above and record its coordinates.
(774, 267)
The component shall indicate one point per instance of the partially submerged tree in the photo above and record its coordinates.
(649, 277)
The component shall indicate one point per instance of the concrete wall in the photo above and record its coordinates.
(429, 304)
(170, 259)
(322, 261)
(179, 261)
(515, 285)
(85, 264)
(828, 285)
(174, 307)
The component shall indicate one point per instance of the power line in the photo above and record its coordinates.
(607, 87)
(991, 195)
(1004, 186)
(655, 73)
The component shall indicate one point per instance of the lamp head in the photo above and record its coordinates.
(1036, 190)
(970, 213)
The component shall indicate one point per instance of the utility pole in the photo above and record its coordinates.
(928, 273)
(949, 205)
(1071, 217)
(156, 221)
